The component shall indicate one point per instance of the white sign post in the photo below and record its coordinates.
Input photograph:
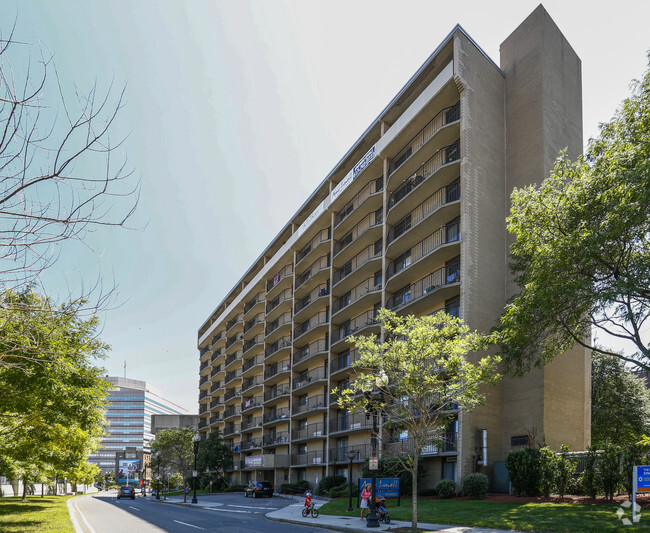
(373, 463)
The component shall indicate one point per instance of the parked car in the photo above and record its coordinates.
(259, 488)
(126, 492)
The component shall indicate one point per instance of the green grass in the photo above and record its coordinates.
(537, 517)
(38, 515)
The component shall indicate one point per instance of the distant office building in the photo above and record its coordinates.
(131, 406)
(159, 422)
(413, 219)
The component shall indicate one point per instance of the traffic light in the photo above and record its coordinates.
(105, 477)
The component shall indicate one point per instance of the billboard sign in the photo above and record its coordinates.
(128, 471)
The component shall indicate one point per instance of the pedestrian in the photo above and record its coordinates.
(187, 491)
(365, 497)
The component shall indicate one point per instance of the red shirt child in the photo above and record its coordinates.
(308, 499)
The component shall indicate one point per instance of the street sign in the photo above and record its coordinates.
(642, 478)
(373, 463)
(194, 473)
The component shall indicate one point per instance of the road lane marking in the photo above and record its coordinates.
(190, 525)
(227, 510)
(252, 507)
(83, 517)
(136, 508)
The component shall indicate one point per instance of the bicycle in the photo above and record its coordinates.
(310, 509)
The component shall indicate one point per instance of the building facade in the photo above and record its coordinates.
(131, 405)
(413, 218)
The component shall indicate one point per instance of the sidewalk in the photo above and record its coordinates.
(292, 514)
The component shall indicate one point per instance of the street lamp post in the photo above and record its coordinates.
(352, 454)
(195, 439)
(373, 406)
(158, 486)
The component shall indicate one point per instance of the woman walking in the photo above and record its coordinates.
(365, 498)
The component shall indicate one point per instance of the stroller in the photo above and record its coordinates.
(382, 513)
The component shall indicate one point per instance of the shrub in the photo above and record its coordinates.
(235, 488)
(329, 482)
(342, 491)
(589, 479)
(475, 486)
(523, 470)
(547, 471)
(566, 467)
(610, 470)
(295, 488)
(446, 488)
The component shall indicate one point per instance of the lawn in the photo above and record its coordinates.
(537, 517)
(38, 515)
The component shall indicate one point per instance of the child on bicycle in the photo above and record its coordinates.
(308, 500)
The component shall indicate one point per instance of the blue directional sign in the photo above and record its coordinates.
(642, 475)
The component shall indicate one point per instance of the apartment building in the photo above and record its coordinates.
(413, 219)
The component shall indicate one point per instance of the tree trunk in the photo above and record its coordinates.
(24, 489)
(414, 489)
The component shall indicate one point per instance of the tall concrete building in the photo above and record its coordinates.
(413, 218)
(131, 405)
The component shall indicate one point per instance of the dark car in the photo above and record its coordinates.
(259, 488)
(126, 492)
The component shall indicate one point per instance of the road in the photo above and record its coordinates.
(104, 513)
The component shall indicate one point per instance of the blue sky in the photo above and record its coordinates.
(236, 110)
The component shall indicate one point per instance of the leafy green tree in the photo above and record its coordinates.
(582, 254)
(176, 451)
(214, 456)
(620, 403)
(415, 377)
(51, 394)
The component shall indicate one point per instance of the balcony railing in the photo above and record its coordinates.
(276, 392)
(444, 117)
(251, 444)
(349, 422)
(231, 393)
(368, 318)
(233, 321)
(318, 292)
(316, 457)
(307, 404)
(284, 342)
(257, 319)
(344, 360)
(446, 275)
(445, 155)
(277, 368)
(216, 386)
(255, 422)
(444, 195)
(367, 254)
(358, 292)
(340, 455)
(229, 429)
(250, 403)
(257, 360)
(251, 382)
(282, 297)
(306, 378)
(216, 355)
(233, 410)
(311, 430)
(444, 235)
(322, 236)
(250, 343)
(259, 297)
(319, 319)
(233, 357)
(204, 351)
(322, 263)
(232, 375)
(215, 403)
(217, 338)
(277, 414)
(283, 273)
(214, 419)
(373, 220)
(276, 439)
(446, 444)
(319, 346)
(203, 423)
(373, 187)
(284, 318)
(232, 340)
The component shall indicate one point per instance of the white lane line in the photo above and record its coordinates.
(83, 517)
(252, 507)
(190, 525)
(226, 510)
(136, 508)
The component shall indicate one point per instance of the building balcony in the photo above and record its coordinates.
(365, 323)
(312, 378)
(447, 444)
(234, 342)
(366, 261)
(255, 303)
(318, 295)
(232, 361)
(281, 280)
(318, 243)
(302, 355)
(218, 337)
(347, 423)
(340, 455)
(275, 306)
(276, 393)
(231, 393)
(278, 347)
(250, 344)
(231, 412)
(249, 366)
(278, 439)
(441, 282)
(234, 321)
(254, 402)
(216, 355)
(251, 424)
(215, 419)
(312, 327)
(310, 431)
(370, 194)
(368, 229)
(203, 423)
(311, 458)
(303, 406)
(278, 327)
(276, 372)
(253, 444)
(446, 116)
(343, 361)
(358, 297)
(253, 324)
(231, 429)
(216, 386)
(276, 416)
(252, 383)
(314, 274)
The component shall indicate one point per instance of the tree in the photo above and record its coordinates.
(620, 403)
(51, 394)
(582, 255)
(176, 450)
(59, 179)
(214, 455)
(415, 378)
